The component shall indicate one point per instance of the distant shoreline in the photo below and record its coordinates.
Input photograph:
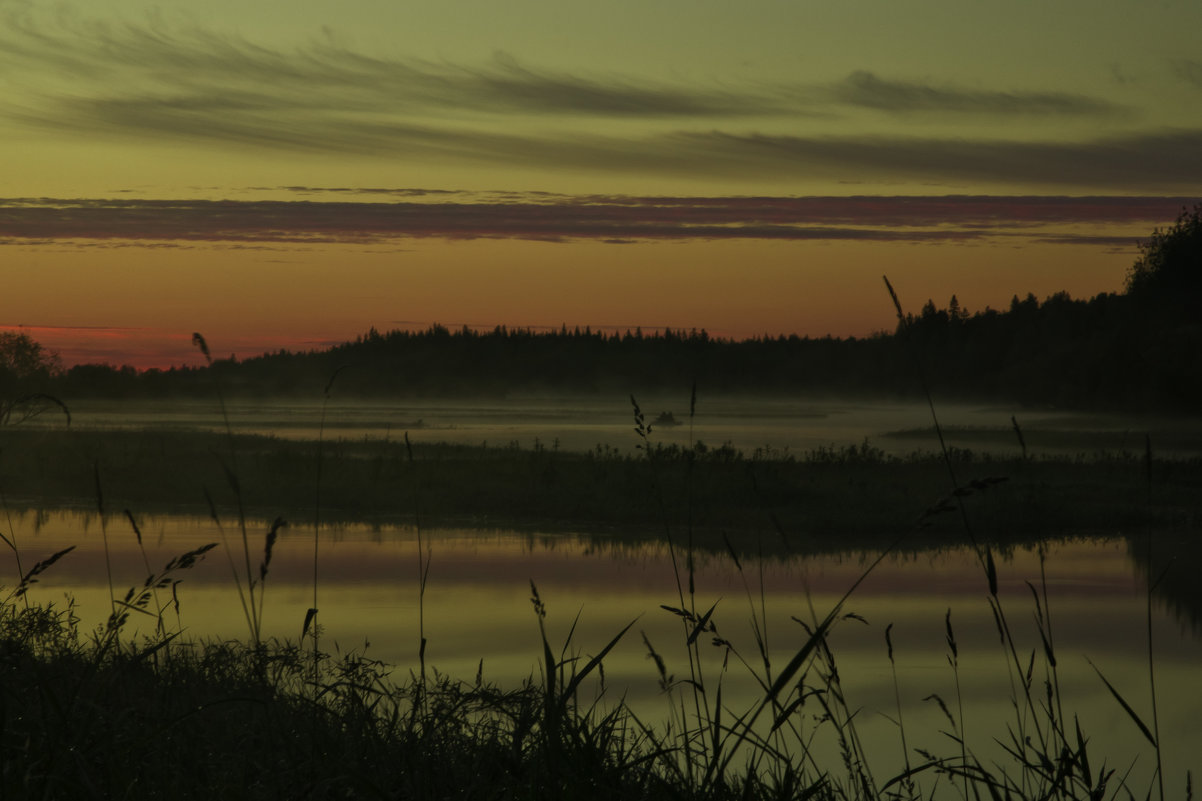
(853, 496)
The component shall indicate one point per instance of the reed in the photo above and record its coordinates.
(252, 609)
(424, 555)
(310, 624)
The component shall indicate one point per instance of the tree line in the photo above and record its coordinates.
(1140, 349)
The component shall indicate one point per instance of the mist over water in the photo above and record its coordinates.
(581, 423)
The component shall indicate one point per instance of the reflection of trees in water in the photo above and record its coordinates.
(1174, 555)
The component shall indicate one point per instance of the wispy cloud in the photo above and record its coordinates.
(159, 82)
(1143, 161)
(561, 218)
(1188, 70)
(197, 69)
(866, 89)
(1157, 161)
(201, 69)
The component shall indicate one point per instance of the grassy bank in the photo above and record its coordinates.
(855, 495)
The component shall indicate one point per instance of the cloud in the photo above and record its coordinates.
(1113, 244)
(866, 89)
(196, 69)
(1143, 161)
(163, 79)
(111, 331)
(543, 217)
(366, 190)
(161, 83)
(1188, 70)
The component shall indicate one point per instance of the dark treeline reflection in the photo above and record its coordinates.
(1169, 561)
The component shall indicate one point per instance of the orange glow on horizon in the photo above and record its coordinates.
(248, 302)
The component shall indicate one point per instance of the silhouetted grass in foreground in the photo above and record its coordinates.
(226, 720)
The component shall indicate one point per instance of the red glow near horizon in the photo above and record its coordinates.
(145, 348)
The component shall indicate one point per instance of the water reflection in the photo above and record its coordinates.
(1169, 560)
(478, 608)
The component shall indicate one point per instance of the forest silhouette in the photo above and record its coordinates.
(1138, 350)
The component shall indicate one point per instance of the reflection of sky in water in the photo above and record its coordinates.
(478, 607)
(582, 424)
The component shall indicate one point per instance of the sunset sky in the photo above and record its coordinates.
(289, 174)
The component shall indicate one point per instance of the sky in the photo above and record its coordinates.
(289, 175)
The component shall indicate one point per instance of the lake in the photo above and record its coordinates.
(477, 607)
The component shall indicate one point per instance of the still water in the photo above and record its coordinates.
(477, 607)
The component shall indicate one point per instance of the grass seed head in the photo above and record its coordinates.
(199, 341)
(270, 545)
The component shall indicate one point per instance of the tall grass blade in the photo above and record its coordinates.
(991, 571)
(800, 658)
(1151, 659)
(1018, 432)
(1082, 754)
(593, 664)
(1123, 703)
(104, 533)
(786, 712)
(702, 625)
